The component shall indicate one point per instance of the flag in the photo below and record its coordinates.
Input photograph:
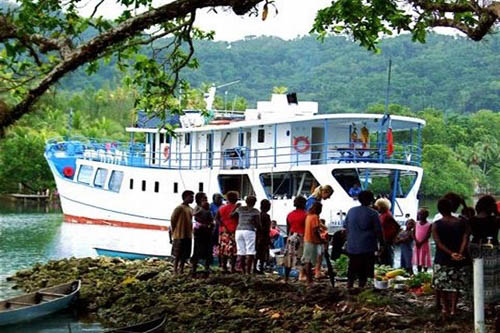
(390, 141)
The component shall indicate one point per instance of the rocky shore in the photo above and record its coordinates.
(116, 292)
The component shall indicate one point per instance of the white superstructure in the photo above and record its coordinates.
(277, 151)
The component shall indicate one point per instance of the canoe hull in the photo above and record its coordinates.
(127, 255)
(17, 315)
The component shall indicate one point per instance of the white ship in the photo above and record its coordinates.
(278, 151)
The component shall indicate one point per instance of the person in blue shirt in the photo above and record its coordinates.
(217, 201)
(363, 229)
(355, 190)
(322, 192)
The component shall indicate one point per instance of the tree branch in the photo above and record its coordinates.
(97, 46)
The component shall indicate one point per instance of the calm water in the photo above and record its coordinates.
(30, 234)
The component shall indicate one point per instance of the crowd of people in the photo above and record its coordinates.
(241, 236)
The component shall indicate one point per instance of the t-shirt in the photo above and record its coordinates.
(214, 208)
(363, 227)
(451, 234)
(181, 222)
(484, 227)
(312, 222)
(227, 221)
(389, 226)
(310, 201)
(297, 221)
(248, 218)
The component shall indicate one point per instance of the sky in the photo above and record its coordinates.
(294, 18)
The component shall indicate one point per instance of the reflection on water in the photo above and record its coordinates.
(33, 234)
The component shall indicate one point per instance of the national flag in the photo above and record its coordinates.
(390, 141)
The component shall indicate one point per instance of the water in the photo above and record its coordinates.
(32, 234)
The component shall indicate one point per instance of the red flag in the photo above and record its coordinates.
(390, 142)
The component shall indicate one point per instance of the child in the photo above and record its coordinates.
(312, 240)
(263, 237)
(323, 229)
(405, 241)
(422, 233)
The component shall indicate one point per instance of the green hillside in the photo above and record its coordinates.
(448, 73)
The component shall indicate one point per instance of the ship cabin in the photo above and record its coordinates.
(281, 132)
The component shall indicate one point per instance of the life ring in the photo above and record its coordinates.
(166, 152)
(68, 171)
(301, 144)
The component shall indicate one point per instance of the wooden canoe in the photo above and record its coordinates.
(37, 304)
(127, 255)
(153, 326)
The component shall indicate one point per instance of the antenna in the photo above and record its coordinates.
(386, 109)
(210, 96)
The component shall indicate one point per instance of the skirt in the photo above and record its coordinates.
(452, 279)
(203, 246)
(227, 244)
(293, 251)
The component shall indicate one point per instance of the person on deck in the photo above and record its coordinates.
(363, 231)
(312, 240)
(263, 243)
(181, 227)
(322, 192)
(202, 230)
(390, 228)
(405, 241)
(355, 190)
(227, 229)
(248, 221)
(296, 224)
(217, 200)
(451, 271)
(422, 234)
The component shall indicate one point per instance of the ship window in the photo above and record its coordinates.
(239, 183)
(131, 184)
(261, 135)
(100, 177)
(176, 188)
(200, 187)
(85, 173)
(285, 185)
(157, 187)
(379, 181)
(144, 185)
(187, 139)
(115, 180)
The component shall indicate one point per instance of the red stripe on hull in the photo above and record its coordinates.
(88, 220)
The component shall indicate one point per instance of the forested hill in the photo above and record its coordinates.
(449, 73)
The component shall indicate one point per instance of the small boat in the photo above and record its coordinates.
(127, 255)
(153, 326)
(39, 303)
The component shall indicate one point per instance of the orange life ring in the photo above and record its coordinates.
(166, 152)
(301, 144)
(68, 171)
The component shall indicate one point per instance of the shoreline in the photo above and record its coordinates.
(117, 292)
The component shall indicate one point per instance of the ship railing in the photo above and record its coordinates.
(239, 157)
